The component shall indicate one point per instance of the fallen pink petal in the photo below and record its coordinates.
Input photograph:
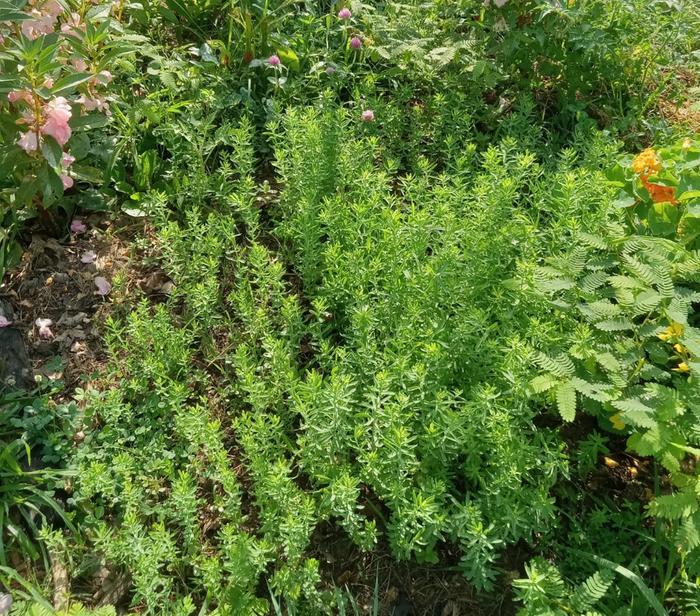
(4, 322)
(89, 256)
(77, 226)
(103, 286)
(44, 326)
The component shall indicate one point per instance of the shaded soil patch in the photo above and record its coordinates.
(404, 588)
(56, 280)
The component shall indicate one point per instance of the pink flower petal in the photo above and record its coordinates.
(4, 322)
(368, 115)
(44, 326)
(29, 141)
(67, 160)
(77, 226)
(67, 182)
(89, 256)
(103, 285)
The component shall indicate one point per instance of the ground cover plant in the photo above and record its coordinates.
(412, 294)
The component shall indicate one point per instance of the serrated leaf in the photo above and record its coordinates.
(594, 391)
(615, 325)
(566, 401)
(608, 361)
(542, 383)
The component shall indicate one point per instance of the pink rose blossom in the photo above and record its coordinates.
(274, 60)
(29, 141)
(355, 42)
(67, 181)
(77, 226)
(89, 256)
(368, 115)
(44, 326)
(344, 13)
(103, 286)
(4, 322)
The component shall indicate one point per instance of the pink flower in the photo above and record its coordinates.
(34, 28)
(344, 13)
(79, 64)
(77, 226)
(20, 95)
(89, 256)
(104, 77)
(103, 286)
(67, 160)
(58, 112)
(44, 326)
(48, 83)
(29, 141)
(355, 42)
(52, 8)
(274, 60)
(368, 115)
(90, 104)
(4, 322)
(67, 182)
(72, 23)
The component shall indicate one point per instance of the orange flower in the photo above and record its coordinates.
(659, 193)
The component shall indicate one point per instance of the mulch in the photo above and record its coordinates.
(52, 282)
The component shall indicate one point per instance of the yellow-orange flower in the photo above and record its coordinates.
(682, 367)
(672, 331)
(617, 422)
(646, 163)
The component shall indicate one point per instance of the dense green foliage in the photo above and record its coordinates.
(424, 289)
